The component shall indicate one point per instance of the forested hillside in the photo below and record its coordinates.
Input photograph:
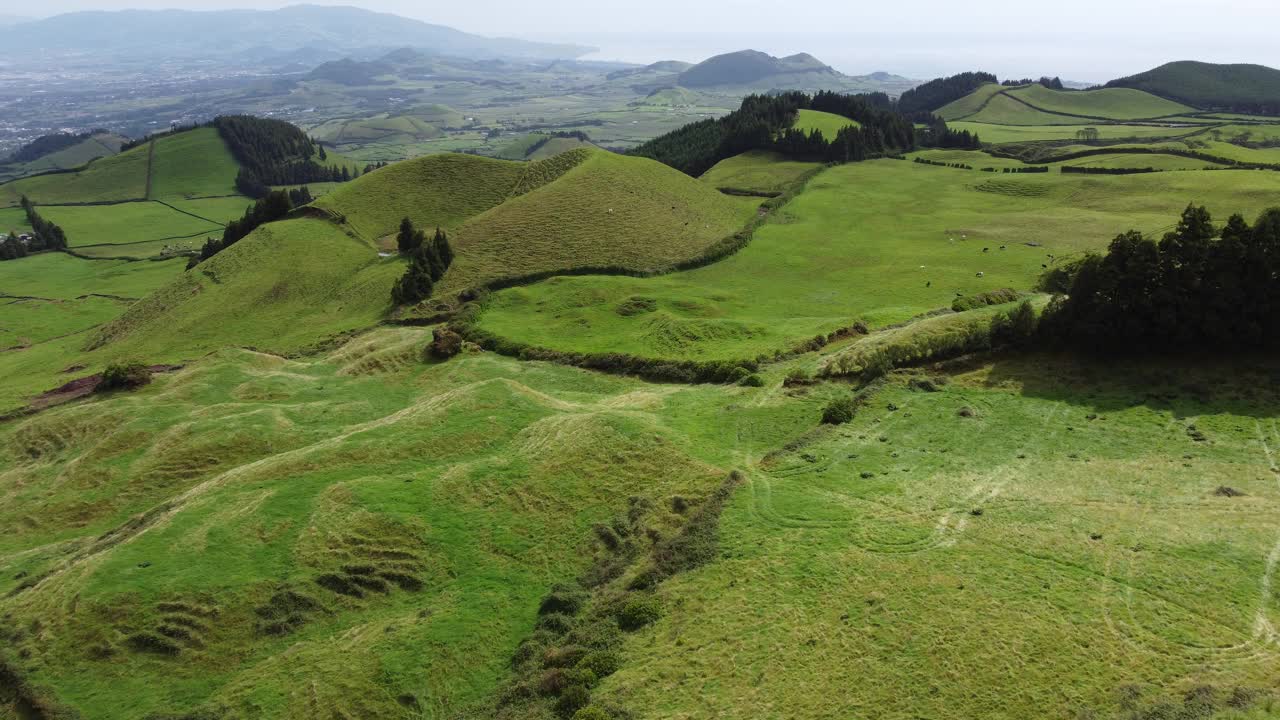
(273, 152)
(1208, 86)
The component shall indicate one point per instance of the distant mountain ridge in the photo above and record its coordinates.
(761, 72)
(187, 33)
(1208, 86)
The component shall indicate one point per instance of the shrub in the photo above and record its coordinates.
(592, 712)
(752, 380)
(1226, 491)
(638, 613)
(1016, 327)
(563, 657)
(839, 411)
(927, 385)
(602, 663)
(555, 622)
(563, 599)
(123, 376)
(573, 699)
(994, 297)
(445, 343)
(798, 376)
(636, 305)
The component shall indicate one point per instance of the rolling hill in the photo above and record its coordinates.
(77, 151)
(1208, 86)
(756, 70)
(141, 33)
(1037, 105)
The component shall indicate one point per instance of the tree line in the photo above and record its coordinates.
(276, 205)
(1052, 83)
(936, 93)
(764, 122)
(428, 261)
(1200, 286)
(44, 236)
(274, 152)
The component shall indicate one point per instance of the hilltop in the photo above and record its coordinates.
(183, 33)
(60, 151)
(1209, 86)
(761, 71)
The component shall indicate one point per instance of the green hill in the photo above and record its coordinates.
(80, 151)
(193, 164)
(1108, 103)
(1037, 105)
(287, 286)
(751, 68)
(434, 191)
(1208, 86)
(109, 179)
(605, 211)
(386, 129)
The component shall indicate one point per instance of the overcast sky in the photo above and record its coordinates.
(918, 37)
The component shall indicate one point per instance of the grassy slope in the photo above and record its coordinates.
(1111, 103)
(609, 210)
(82, 153)
(439, 190)
(193, 164)
(555, 146)
(1004, 110)
(757, 171)
(969, 104)
(518, 149)
(992, 133)
(62, 277)
(855, 581)
(481, 478)
(879, 241)
(829, 123)
(112, 179)
(287, 286)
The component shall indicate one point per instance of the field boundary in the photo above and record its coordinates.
(151, 164)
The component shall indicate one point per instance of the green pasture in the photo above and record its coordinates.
(1110, 103)
(757, 171)
(879, 241)
(125, 224)
(829, 124)
(110, 179)
(1038, 518)
(476, 483)
(999, 134)
(193, 164)
(969, 104)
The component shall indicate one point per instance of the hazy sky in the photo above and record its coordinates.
(918, 37)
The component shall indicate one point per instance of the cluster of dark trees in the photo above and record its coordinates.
(428, 261)
(1052, 83)
(276, 205)
(173, 130)
(373, 166)
(1032, 169)
(1090, 170)
(938, 135)
(764, 123)
(274, 152)
(44, 236)
(1198, 287)
(936, 93)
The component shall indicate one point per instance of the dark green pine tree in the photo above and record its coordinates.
(323, 155)
(408, 239)
(443, 251)
(416, 284)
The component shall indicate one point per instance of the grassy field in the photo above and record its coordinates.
(289, 285)
(828, 123)
(473, 485)
(1067, 533)
(62, 277)
(969, 104)
(111, 179)
(991, 133)
(193, 164)
(607, 211)
(880, 241)
(757, 171)
(1004, 110)
(78, 155)
(1110, 103)
(125, 224)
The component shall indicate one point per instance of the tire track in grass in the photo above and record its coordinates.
(1257, 643)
